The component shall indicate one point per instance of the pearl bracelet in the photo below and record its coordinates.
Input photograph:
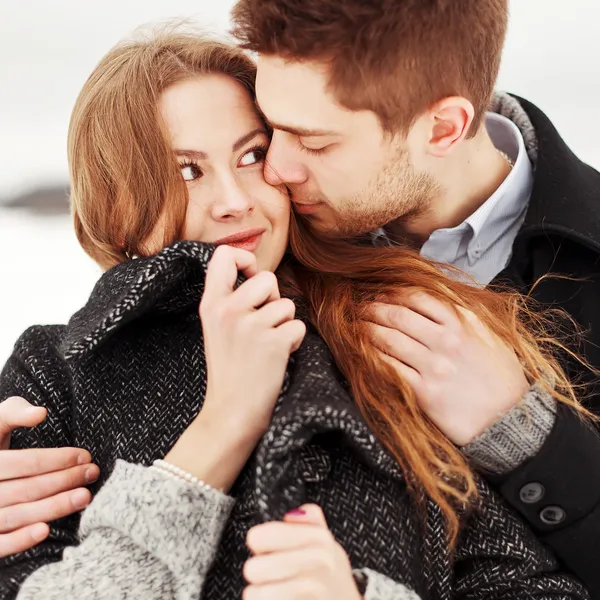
(177, 473)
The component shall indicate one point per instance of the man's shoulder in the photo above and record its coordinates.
(565, 199)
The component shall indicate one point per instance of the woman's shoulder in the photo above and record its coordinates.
(38, 342)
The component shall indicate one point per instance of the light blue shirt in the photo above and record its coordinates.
(482, 244)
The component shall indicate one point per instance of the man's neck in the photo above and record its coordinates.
(468, 177)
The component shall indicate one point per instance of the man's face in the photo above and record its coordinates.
(343, 171)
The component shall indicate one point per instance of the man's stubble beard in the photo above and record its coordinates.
(398, 194)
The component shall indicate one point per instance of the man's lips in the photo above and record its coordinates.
(246, 240)
(307, 209)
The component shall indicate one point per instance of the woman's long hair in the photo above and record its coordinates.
(338, 280)
(125, 181)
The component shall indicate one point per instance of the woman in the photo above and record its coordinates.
(196, 444)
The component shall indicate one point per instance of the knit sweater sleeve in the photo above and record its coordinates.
(375, 586)
(145, 535)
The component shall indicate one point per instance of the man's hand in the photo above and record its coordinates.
(37, 485)
(465, 378)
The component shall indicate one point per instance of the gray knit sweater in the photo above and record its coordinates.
(149, 536)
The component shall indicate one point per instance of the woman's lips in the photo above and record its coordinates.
(246, 240)
(251, 244)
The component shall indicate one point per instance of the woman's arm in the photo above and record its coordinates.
(145, 535)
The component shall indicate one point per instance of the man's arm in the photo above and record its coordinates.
(545, 460)
(37, 485)
(550, 447)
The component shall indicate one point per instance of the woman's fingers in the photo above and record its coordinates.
(31, 489)
(224, 268)
(49, 509)
(277, 536)
(23, 539)
(15, 464)
(293, 333)
(281, 566)
(256, 292)
(276, 313)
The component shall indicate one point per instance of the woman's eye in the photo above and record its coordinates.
(190, 172)
(252, 157)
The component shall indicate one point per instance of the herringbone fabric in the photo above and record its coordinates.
(127, 376)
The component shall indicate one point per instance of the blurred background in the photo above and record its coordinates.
(47, 50)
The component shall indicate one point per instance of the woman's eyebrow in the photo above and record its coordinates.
(201, 155)
(246, 138)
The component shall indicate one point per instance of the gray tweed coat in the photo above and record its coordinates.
(127, 375)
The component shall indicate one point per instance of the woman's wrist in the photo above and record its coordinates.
(212, 452)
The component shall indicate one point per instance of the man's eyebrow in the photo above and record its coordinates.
(294, 130)
(201, 155)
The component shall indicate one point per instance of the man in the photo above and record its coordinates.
(379, 119)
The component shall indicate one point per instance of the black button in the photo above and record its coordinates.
(532, 493)
(553, 515)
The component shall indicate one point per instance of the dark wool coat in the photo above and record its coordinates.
(127, 376)
(561, 235)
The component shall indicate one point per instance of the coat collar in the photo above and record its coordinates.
(314, 400)
(565, 200)
(167, 282)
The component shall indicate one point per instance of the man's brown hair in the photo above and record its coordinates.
(394, 57)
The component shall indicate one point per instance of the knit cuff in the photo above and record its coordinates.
(177, 522)
(517, 436)
(380, 587)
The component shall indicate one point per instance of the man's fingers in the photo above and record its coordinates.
(49, 509)
(224, 267)
(23, 539)
(401, 347)
(429, 307)
(406, 320)
(412, 377)
(15, 464)
(31, 489)
(17, 412)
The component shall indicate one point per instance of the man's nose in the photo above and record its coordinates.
(282, 165)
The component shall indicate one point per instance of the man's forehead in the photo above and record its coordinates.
(294, 96)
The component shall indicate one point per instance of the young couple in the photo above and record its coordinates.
(352, 470)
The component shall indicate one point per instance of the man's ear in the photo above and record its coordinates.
(451, 120)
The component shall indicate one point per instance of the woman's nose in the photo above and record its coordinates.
(232, 202)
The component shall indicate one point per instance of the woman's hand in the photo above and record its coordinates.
(298, 559)
(249, 334)
(37, 485)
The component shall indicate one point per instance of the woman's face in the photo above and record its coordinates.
(221, 144)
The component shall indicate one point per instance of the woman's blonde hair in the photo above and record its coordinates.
(116, 140)
(125, 181)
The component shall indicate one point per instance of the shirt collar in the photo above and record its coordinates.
(514, 190)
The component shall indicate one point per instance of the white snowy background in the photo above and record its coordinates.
(47, 50)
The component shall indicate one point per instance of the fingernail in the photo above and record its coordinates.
(83, 458)
(80, 499)
(91, 474)
(297, 512)
(39, 532)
